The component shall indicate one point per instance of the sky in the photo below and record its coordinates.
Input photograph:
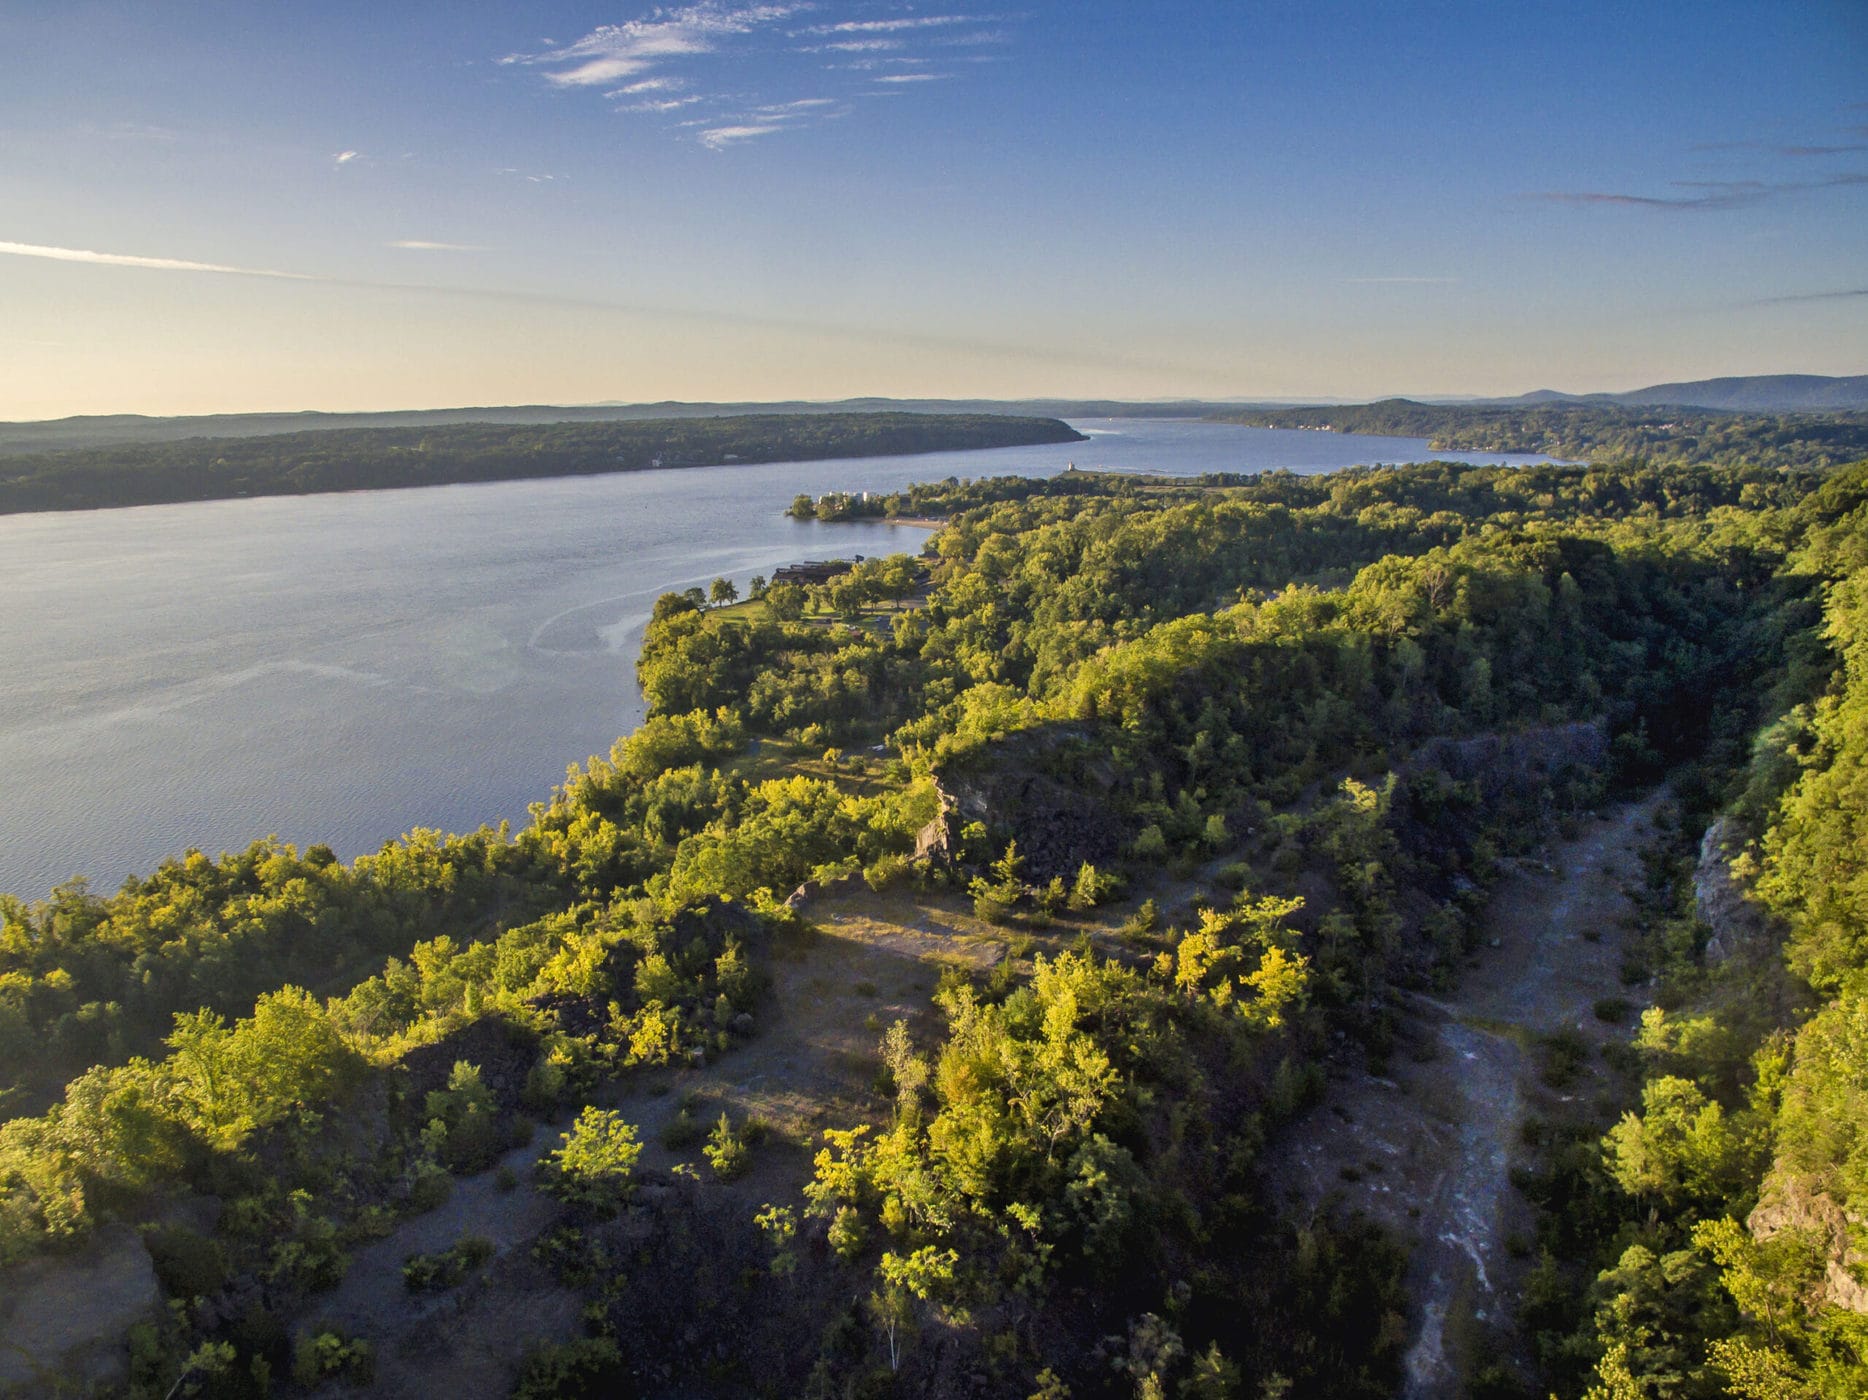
(239, 206)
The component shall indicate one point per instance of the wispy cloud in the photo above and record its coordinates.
(346, 157)
(1704, 195)
(424, 245)
(613, 52)
(718, 138)
(902, 25)
(729, 71)
(1813, 296)
(662, 104)
(86, 255)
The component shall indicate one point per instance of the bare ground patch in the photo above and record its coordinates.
(812, 1064)
(1427, 1147)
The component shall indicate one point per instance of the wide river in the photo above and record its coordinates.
(343, 668)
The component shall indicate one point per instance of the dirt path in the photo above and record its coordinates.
(1427, 1148)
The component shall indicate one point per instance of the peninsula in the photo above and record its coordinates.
(373, 459)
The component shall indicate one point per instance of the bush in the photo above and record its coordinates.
(595, 1167)
(1092, 887)
(1234, 877)
(430, 1187)
(1613, 1010)
(886, 871)
(329, 1355)
(726, 1151)
(1145, 920)
(590, 1367)
(681, 1131)
(190, 1265)
(432, 1273)
(1564, 1054)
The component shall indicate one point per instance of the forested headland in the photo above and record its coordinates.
(374, 459)
(1588, 432)
(1093, 856)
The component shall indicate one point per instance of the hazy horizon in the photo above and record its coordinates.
(1161, 400)
(369, 208)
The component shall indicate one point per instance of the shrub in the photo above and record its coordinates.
(681, 1131)
(1092, 887)
(1234, 877)
(726, 1151)
(432, 1273)
(588, 1367)
(190, 1265)
(329, 1355)
(594, 1169)
(430, 1187)
(887, 870)
(1144, 920)
(1565, 1053)
(1613, 1010)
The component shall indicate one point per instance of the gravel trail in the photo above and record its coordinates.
(1427, 1148)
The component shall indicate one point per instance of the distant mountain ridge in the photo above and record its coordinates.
(1765, 393)
(1756, 393)
(128, 429)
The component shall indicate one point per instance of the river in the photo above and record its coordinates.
(342, 668)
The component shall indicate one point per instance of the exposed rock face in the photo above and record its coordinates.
(63, 1317)
(1791, 1201)
(1724, 901)
(1053, 785)
(1540, 761)
(811, 889)
(935, 841)
(502, 1051)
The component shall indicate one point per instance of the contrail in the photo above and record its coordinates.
(85, 255)
(950, 344)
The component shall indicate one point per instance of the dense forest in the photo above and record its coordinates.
(1584, 432)
(1207, 782)
(370, 459)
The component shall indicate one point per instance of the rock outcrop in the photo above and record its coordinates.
(1559, 762)
(1791, 1201)
(1053, 785)
(1723, 901)
(63, 1317)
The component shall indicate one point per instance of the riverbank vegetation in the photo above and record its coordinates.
(1596, 432)
(374, 459)
(1222, 768)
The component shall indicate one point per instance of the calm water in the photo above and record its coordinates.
(342, 668)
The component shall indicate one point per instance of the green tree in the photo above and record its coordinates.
(594, 1168)
(726, 1151)
(785, 601)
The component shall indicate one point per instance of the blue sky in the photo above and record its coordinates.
(243, 206)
